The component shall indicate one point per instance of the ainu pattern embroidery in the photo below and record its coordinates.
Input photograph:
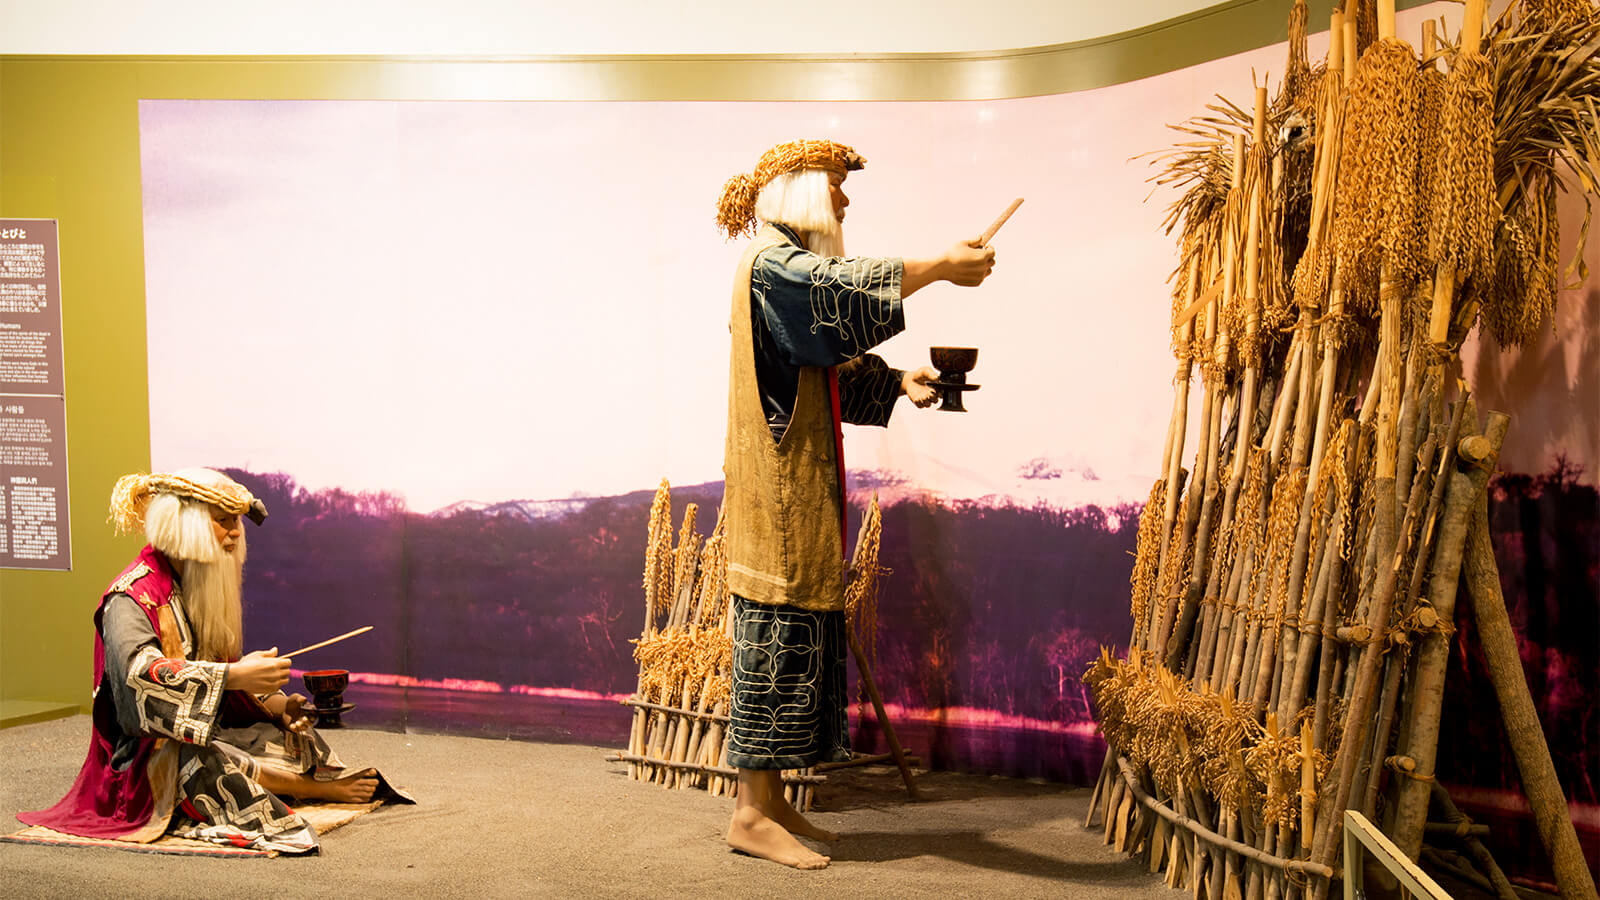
(839, 286)
(121, 585)
(775, 712)
(868, 389)
(176, 697)
(232, 808)
(787, 688)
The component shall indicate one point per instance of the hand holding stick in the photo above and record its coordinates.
(988, 234)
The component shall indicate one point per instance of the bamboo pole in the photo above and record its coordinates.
(1231, 626)
(1101, 785)
(1172, 455)
(1354, 732)
(1328, 658)
(1406, 431)
(1314, 622)
(1251, 253)
(1212, 379)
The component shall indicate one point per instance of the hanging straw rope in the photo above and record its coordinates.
(861, 594)
(1376, 197)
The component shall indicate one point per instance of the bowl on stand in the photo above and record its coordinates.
(953, 364)
(326, 687)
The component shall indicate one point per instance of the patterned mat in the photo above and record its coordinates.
(323, 817)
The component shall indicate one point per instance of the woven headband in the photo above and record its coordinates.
(736, 208)
(131, 497)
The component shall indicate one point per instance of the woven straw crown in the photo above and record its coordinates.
(736, 208)
(131, 496)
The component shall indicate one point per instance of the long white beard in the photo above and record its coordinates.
(211, 593)
(826, 243)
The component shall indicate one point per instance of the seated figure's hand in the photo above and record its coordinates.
(915, 386)
(259, 672)
(969, 263)
(294, 716)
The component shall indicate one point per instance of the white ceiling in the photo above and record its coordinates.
(542, 27)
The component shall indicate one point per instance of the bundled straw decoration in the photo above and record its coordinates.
(1546, 91)
(1462, 220)
(1377, 170)
(685, 658)
(866, 577)
(1294, 586)
(1519, 295)
(685, 654)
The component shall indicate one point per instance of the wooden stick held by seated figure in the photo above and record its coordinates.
(333, 640)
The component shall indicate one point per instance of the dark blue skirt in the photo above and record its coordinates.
(790, 705)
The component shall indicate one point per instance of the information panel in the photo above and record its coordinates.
(34, 528)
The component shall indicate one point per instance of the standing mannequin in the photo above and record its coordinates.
(803, 316)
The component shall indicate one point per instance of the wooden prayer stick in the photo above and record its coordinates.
(333, 640)
(988, 234)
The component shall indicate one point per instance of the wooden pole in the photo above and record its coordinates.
(867, 681)
(1130, 779)
(1352, 741)
(1441, 797)
(1465, 494)
(1528, 746)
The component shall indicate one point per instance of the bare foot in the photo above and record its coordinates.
(356, 788)
(755, 834)
(794, 823)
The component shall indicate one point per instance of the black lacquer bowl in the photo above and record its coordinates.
(953, 364)
(327, 695)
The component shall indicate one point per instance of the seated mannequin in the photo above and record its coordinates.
(190, 738)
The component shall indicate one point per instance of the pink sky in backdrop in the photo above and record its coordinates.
(500, 300)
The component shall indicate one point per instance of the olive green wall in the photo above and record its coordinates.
(69, 150)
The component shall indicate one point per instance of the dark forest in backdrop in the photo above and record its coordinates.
(989, 617)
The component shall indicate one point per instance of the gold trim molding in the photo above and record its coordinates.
(1211, 33)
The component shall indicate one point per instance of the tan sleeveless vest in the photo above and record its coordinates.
(781, 498)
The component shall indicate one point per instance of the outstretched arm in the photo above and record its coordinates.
(966, 264)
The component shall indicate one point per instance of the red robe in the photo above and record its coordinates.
(104, 801)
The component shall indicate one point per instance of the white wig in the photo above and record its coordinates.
(799, 200)
(180, 527)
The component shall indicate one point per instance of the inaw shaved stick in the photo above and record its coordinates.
(988, 233)
(333, 640)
